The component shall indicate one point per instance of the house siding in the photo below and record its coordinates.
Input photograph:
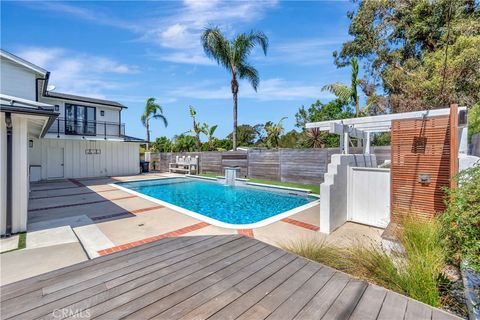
(17, 80)
(115, 158)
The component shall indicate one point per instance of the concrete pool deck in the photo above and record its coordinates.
(88, 218)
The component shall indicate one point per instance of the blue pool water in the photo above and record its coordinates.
(234, 205)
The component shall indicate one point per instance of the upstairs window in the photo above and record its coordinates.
(80, 120)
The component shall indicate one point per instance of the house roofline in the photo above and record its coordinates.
(72, 97)
(34, 112)
(22, 62)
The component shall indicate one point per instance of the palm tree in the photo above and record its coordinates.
(274, 131)
(209, 132)
(152, 111)
(233, 55)
(349, 94)
(344, 92)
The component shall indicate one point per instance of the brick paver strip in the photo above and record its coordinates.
(174, 233)
(246, 232)
(82, 203)
(302, 224)
(137, 211)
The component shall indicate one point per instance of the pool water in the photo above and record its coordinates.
(228, 204)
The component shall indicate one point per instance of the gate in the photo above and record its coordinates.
(369, 196)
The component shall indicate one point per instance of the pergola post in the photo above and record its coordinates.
(366, 144)
(346, 138)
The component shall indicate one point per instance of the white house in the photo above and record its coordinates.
(49, 135)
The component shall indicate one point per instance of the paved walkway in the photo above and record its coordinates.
(102, 219)
(205, 277)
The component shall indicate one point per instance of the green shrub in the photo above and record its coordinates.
(413, 270)
(461, 219)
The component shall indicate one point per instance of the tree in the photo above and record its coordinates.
(197, 128)
(162, 144)
(184, 143)
(233, 55)
(152, 111)
(246, 135)
(290, 139)
(209, 132)
(318, 111)
(349, 94)
(274, 131)
(425, 54)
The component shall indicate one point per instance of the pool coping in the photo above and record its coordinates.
(218, 223)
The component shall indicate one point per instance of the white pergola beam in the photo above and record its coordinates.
(381, 122)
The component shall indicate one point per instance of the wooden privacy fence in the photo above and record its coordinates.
(424, 158)
(289, 165)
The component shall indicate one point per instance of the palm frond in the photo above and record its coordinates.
(216, 46)
(212, 129)
(340, 90)
(161, 117)
(248, 72)
(244, 43)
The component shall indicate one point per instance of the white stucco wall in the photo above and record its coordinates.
(16, 80)
(116, 158)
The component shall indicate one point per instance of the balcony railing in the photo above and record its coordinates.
(103, 129)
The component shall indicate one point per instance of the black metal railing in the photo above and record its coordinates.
(103, 129)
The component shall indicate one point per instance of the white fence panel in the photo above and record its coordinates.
(369, 196)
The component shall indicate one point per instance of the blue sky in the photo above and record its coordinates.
(129, 51)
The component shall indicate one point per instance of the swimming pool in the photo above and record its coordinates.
(218, 204)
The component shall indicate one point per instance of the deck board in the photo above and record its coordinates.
(214, 277)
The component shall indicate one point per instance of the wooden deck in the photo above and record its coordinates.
(215, 277)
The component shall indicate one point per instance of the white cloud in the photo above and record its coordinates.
(77, 73)
(178, 31)
(184, 57)
(96, 16)
(274, 89)
(313, 51)
(176, 36)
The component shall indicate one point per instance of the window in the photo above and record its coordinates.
(102, 113)
(79, 120)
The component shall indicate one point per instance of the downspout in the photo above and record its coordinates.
(8, 122)
(47, 76)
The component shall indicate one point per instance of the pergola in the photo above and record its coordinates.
(362, 128)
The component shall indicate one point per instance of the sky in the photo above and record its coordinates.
(129, 51)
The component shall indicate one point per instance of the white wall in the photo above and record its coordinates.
(3, 173)
(20, 181)
(111, 114)
(333, 191)
(116, 158)
(16, 80)
(19, 171)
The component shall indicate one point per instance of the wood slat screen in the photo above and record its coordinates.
(420, 148)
